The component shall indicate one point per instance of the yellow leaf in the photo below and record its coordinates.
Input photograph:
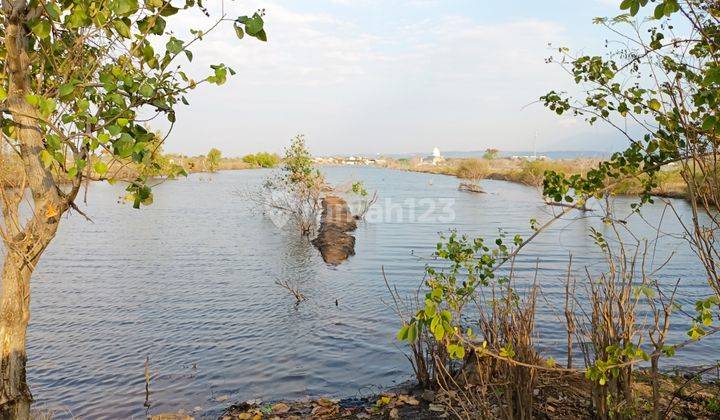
(50, 211)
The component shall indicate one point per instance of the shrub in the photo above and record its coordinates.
(262, 159)
(472, 169)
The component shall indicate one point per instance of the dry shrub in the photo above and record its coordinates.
(472, 169)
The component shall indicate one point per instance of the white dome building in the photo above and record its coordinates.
(436, 157)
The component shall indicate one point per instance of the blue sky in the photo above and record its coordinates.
(372, 76)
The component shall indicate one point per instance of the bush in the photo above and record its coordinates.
(262, 159)
(472, 169)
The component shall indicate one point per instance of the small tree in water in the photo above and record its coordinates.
(294, 194)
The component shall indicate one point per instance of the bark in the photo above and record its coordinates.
(15, 396)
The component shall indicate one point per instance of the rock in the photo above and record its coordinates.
(394, 414)
(428, 395)
(280, 408)
(437, 408)
(333, 241)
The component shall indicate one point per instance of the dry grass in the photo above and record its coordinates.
(670, 183)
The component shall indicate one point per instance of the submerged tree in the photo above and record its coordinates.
(293, 194)
(76, 75)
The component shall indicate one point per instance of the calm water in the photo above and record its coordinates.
(189, 283)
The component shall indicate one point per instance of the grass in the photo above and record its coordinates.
(670, 182)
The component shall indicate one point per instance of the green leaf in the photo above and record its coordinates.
(659, 11)
(3, 93)
(174, 45)
(125, 7)
(709, 123)
(412, 332)
(66, 90)
(122, 27)
(654, 104)
(146, 90)
(254, 25)
(33, 100)
(53, 10)
(239, 31)
(42, 29)
(169, 10)
(403, 333)
(100, 168)
(262, 36)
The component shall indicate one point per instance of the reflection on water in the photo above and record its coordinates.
(189, 282)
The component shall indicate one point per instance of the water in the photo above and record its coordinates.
(189, 283)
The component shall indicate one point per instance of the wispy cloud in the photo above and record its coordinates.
(423, 81)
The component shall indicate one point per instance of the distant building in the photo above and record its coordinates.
(435, 159)
(530, 158)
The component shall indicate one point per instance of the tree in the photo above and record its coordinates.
(491, 154)
(295, 191)
(213, 159)
(673, 103)
(661, 91)
(76, 75)
(262, 159)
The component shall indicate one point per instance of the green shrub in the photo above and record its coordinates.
(262, 159)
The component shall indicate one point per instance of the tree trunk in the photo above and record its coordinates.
(15, 396)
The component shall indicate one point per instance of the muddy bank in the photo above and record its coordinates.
(333, 240)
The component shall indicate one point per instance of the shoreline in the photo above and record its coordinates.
(556, 396)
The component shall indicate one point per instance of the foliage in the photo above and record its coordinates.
(94, 68)
(213, 159)
(472, 263)
(472, 169)
(156, 164)
(359, 189)
(79, 80)
(262, 159)
(294, 192)
(491, 154)
(298, 165)
(673, 103)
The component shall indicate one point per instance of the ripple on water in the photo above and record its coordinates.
(189, 282)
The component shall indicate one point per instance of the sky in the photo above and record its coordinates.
(389, 76)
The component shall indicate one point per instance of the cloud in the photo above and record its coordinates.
(418, 82)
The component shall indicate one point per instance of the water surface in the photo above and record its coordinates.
(189, 283)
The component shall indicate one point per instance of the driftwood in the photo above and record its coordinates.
(470, 187)
(333, 240)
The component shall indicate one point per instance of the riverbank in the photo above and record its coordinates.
(556, 396)
(531, 173)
